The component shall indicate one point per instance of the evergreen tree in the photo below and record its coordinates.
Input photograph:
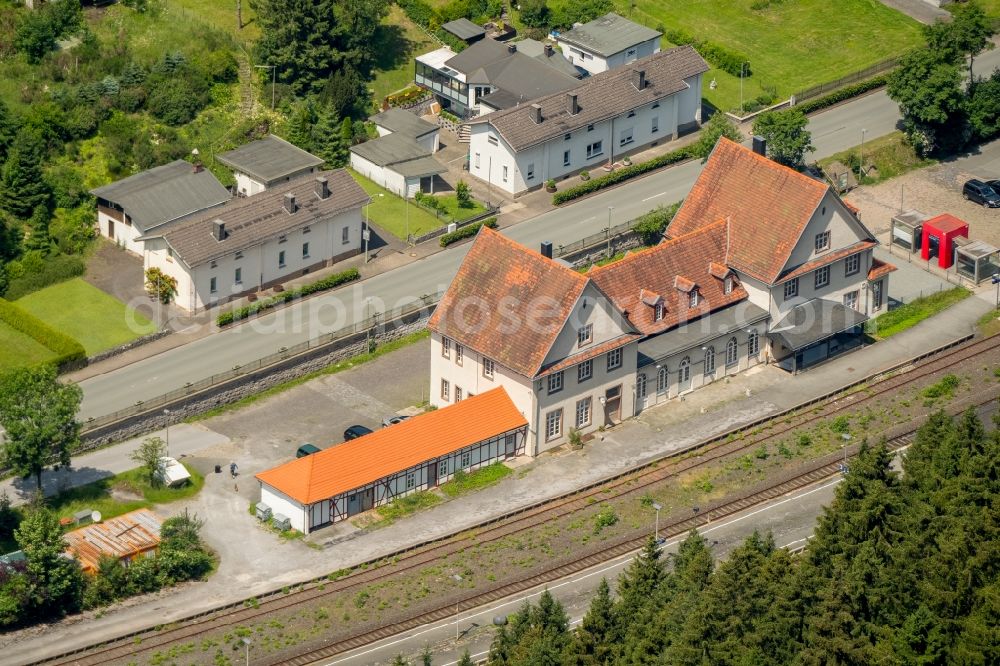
(592, 642)
(466, 659)
(55, 583)
(328, 138)
(39, 225)
(300, 124)
(22, 185)
(637, 587)
(8, 130)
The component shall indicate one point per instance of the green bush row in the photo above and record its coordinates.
(727, 60)
(467, 231)
(66, 348)
(58, 268)
(335, 280)
(842, 94)
(622, 174)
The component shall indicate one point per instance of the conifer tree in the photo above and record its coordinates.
(22, 185)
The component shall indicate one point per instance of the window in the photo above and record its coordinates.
(476, 161)
(212, 288)
(282, 238)
(728, 285)
(630, 53)
(614, 359)
(585, 335)
(791, 288)
(281, 259)
(305, 250)
(411, 480)
(753, 344)
(583, 411)
(566, 137)
(851, 300)
(640, 387)
(345, 235)
(684, 374)
(877, 295)
(505, 173)
(565, 158)
(492, 140)
(693, 298)
(466, 459)
(214, 264)
(444, 389)
(446, 347)
(590, 128)
(595, 149)
(625, 137)
(529, 172)
(655, 125)
(662, 379)
(488, 368)
(710, 361)
(658, 312)
(239, 255)
(631, 114)
(656, 105)
(459, 354)
(442, 468)
(852, 264)
(555, 382)
(238, 278)
(553, 424)
(170, 254)
(731, 351)
(822, 277)
(823, 241)
(458, 394)
(306, 230)
(584, 371)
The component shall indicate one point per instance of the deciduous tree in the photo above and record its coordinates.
(788, 140)
(55, 583)
(151, 456)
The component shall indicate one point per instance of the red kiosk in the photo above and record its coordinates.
(940, 233)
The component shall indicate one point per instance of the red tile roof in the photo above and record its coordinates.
(390, 450)
(826, 260)
(591, 352)
(685, 258)
(879, 268)
(508, 302)
(768, 205)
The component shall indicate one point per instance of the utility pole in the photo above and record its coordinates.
(610, 208)
(861, 159)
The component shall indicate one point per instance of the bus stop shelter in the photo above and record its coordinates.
(908, 229)
(975, 259)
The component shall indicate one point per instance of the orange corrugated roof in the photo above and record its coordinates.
(390, 450)
(123, 536)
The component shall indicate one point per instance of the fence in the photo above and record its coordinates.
(370, 324)
(861, 75)
(594, 239)
(441, 231)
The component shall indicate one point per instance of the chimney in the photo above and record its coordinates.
(639, 78)
(549, 50)
(197, 168)
(290, 202)
(760, 145)
(572, 106)
(219, 230)
(512, 48)
(322, 187)
(536, 113)
(547, 249)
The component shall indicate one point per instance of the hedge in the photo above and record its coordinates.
(842, 94)
(625, 173)
(467, 231)
(65, 348)
(728, 61)
(335, 280)
(418, 11)
(55, 269)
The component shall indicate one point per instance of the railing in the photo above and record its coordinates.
(372, 323)
(491, 211)
(594, 239)
(861, 75)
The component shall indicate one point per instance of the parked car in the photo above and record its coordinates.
(995, 184)
(356, 431)
(306, 450)
(393, 420)
(979, 192)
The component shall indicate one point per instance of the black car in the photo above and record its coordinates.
(356, 431)
(981, 193)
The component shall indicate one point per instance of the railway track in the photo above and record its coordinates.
(629, 483)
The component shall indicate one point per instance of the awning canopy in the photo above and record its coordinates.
(813, 321)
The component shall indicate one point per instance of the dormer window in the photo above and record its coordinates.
(658, 312)
(693, 298)
(728, 285)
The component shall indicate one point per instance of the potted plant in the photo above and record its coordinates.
(550, 185)
(584, 175)
(627, 161)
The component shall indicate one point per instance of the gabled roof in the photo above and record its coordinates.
(524, 77)
(478, 55)
(401, 121)
(463, 28)
(825, 260)
(390, 149)
(670, 269)
(608, 35)
(552, 56)
(599, 97)
(164, 193)
(768, 206)
(879, 269)
(502, 284)
(394, 449)
(269, 159)
(253, 220)
(124, 536)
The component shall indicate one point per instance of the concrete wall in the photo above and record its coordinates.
(281, 503)
(383, 176)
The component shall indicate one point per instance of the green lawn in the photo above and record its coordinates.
(389, 211)
(912, 313)
(17, 350)
(84, 312)
(483, 477)
(449, 206)
(890, 155)
(400, 40)
(791, 45)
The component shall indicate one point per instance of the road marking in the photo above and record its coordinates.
(653, 197)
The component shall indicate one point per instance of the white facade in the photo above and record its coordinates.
(384, 176)
(271, 262)
(115, 226)
(282, 504)
(493, 160)
(247, 185)
(430, 141)
(595, 63)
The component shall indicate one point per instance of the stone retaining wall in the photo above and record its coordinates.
(121, 349)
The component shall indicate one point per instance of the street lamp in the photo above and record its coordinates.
(166, 413)
(996, 281)
(274, 69)
(743, 66)
(656, 529)
(246, 644)
(843, 466)
(861, 159)
(458, 579)
(610, 208)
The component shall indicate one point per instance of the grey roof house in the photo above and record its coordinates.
(607, 42)
(264, 163)
(464, 29)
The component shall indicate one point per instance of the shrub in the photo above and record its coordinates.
(462, 195)
(160, 285)
(606, 518)
(66, 348)
(407, 96)
(418, 11)
(652, 225)
(328, 282)
(725, 59)
(621, 175)
(48, 271)
(467, 231)
(842, 94)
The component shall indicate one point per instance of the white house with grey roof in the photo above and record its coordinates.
(606, 116)
(400, 158)
(253, 243)
(141, 204)
(262, 164)
(607, 42)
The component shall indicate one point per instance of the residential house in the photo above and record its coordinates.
(262, 164)
(546, 334)
(400, 158)
(607, 42)
(401, 121)
(125, 538)
(606, 116)
(489, 68)
(465, 30)
(145, 202)
(798, 250)
(252, 243)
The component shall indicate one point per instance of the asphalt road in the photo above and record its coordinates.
(833, 130)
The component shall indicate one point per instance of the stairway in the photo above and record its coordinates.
(463, 133)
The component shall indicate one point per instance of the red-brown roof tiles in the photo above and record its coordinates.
(718, 270)
(768, 204)
(826, 260)
(879, 268)
(684, 284)
(686, 257)
(591, 352)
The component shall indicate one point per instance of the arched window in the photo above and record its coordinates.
(640, 387)
(753, 344)
(661, 380)
(710, 361)
(684, 371)
(731, 352)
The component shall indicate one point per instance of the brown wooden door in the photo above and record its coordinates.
(111, 229)
(613, 405)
